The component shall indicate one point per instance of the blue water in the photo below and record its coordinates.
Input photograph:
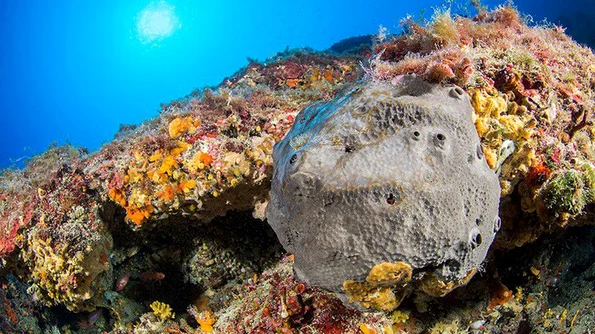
(73, 71)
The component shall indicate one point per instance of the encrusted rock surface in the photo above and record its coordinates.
(146, 204)
(385, 172)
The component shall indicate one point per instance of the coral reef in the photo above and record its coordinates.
(212, 153)
(89, 241)
(18, 310)
(69, 276)
(67, 248)
(276, 302)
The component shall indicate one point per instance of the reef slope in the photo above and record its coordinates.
(155, 232)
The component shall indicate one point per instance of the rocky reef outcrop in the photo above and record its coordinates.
(134, 237)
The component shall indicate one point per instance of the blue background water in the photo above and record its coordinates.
(73, 71)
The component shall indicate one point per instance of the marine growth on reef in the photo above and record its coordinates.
(88, 242)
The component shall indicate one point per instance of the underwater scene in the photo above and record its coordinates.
(373, 167)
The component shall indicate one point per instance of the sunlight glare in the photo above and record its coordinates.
(156, 22)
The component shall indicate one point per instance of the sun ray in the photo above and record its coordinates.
(157, 22)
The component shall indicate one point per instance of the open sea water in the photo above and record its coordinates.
(74, 71)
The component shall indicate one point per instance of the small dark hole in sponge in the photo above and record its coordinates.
(476, 240)
(454, 265)
(348, 149)
(441, 137)
(293, 159)
(457, 92)
(390, 199)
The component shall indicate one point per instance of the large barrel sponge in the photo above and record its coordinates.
(383, 189)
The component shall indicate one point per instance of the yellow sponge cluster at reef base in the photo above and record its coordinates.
(383, 288)
(60, 278)
(162, 310)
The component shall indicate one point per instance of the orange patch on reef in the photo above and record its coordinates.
(117, 196)
(205, 158)
(168, 193)
(365, 329)
(155, 156)
(206, 322)
(292, 83)
(538, 174)
(10, 312)
(103, 257)
(167, 164)
(180, 125)
(182, 146)
(139, 215)
(500, 296)
(328, 76)
(186, 185)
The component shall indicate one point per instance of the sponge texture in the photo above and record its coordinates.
(385, 173)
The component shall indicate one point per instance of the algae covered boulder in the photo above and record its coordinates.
(384, 185)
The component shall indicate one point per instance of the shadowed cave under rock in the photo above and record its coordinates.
(193, 258)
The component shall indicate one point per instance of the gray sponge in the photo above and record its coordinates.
(385, 173)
